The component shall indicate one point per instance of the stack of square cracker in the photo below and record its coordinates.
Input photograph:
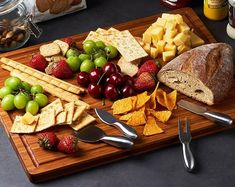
(54, 114)
(126, 44)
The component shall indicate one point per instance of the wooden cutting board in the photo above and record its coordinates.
(41, 165)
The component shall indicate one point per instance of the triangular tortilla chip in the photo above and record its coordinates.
(151, 127)
(122, 106)
(142, 99)
(171, 100)
(162, 116)
(152, 100)
(137, 118)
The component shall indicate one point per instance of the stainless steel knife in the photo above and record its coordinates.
(111, 120)
(214, 116)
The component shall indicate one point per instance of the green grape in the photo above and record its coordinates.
(74, 63)
(13, 82)
(111, 51)
(83, 57)
(32, 107)
(89, 46)
(41, 99)
(26, 86)
(20, 101)
(99, 54)
(8, 102)
(27, 96)
(5, 91)
(72, 52)
(100, 44)
(37, 89)
(87, 66)
(100, 62)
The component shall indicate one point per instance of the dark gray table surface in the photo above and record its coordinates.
(215, 154)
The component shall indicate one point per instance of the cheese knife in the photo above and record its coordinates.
(111, 120)
(224, 119)
(93, 134)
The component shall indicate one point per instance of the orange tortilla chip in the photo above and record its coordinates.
(126, 117)
(134, 100)
(161, 97)
(122, 106)
(152, 101)
(137, 118)
(151, 127)
(171, 100)
(162, 116)
(142, 99)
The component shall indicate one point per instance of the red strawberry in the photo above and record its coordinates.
(145, 81)
(68, 144)
(38, 62)
(150, 66)
(62, 70)
(48, 140)
(69, 41)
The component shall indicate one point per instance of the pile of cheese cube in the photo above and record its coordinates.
(169, 36)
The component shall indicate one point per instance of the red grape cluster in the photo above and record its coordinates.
(107, 82)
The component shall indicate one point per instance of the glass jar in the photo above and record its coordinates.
(16, 25)
(174, 4)
(215, 9)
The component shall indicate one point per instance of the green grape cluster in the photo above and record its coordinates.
(21, 95)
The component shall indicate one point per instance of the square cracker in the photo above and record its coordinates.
(69, 108)
(19, 127)
(78, 112)
(63, 46)
(83, 121)
(61, 117)
(56, 105)
(46, 119)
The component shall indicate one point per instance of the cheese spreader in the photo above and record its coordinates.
(221, 118)
(93, 134)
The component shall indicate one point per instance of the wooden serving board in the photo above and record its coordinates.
(41, 165)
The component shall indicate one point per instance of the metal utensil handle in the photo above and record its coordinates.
(188, 157)
(118, 141)
(127, 130)
(219, 117)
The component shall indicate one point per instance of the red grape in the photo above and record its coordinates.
(83, 79)
(109, 68)
(111, 92)
(95, 75)
(116, 79)
(128, 80)
(95, 90)
(127, 91)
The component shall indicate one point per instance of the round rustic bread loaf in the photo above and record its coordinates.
(204, 73)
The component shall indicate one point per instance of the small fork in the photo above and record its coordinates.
(185, 139)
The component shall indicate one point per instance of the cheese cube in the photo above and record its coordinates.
(153, 52)
(168, 55)
(170, 33)
(168, 16)
(157, 33)
(183, 27)
(179, 19)
(195, 40)
(170, 47)
(160, 22)
(170, 24)
(28, 118)
(180, 39)
(147, 37)
(160, 46)
(182, 48)
(147, 47)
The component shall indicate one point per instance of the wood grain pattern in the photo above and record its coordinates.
(41, 165)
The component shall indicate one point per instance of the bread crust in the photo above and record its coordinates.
(212, 64)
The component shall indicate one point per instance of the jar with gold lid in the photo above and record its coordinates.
(16, 25)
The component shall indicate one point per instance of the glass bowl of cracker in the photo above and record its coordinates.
(16, 25)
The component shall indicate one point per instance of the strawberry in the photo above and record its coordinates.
(150, 66)
(62, 70)
(38, 62)
(69, 41)
(68, 144)
(48, 140)
(145, 81)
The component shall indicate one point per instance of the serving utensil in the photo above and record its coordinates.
(93, 134)
(185, 139)
(224, 119)
(112, 121)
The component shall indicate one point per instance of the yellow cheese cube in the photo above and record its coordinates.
(168, 55)
(153, 52)
(160, 22)
(170, 47)
(182, 48)
(147, 37)
(183, 27)
(195, 40)
(168, 16)
(170, 24)
(160, 46)
(157, 33)
(154, 42)
(170, 33)
(180, 39)
(147, 47)
(28, 118)
(179, 19)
